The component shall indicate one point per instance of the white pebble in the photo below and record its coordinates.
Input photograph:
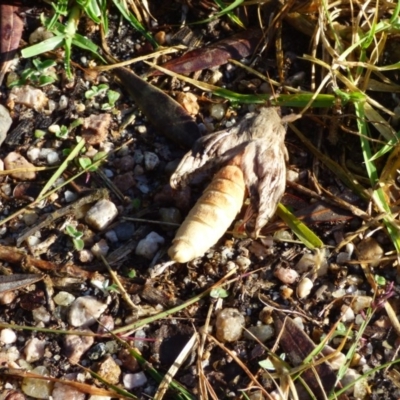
(217, 111)
(63, 102)
(151, 160)
(85, 310)
(34, 350)
(5, 123)
(101, 214)
(132, 381)
(53, 158)
(63, 298)
(28, 96)
(229, 325)
(86, 256)
(40, 314)
(8, 336)
(100, 248)
(63, 392)
(347, 313)
(148, 246)
(304, 288)
(70, 196)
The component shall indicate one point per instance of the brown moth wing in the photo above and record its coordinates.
(264, 170)
(217, 148)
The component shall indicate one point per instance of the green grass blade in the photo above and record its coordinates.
(305, 234)
(134, 22)
(62, 167)
(224, 11)
(50, 44)
(378, 195)
(230, 14)
(288, 100)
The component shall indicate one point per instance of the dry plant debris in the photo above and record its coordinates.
(101, 168)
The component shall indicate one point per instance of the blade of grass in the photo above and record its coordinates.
(224, 11)
(76, 150)
(134, 22)
(295, 100)
(378, 195)
(305, 234)
(230, 14)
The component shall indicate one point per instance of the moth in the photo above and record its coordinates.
(251, 155)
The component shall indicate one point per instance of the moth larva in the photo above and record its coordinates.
(211, 216)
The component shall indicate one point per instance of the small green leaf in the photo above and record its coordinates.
(306, 235)
(39, 133)
(85, 162)
(219, 293)
(113, 96)
(132, 273)
(380, 280)
(136, 204)
(79, 244)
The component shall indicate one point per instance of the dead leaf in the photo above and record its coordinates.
(17, 281)
(236, 47)
(298, 346)
(11, 27)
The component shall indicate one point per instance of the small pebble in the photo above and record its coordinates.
(229, 325)
(7, 297)
(15, 160)
(28, 96)
(304, 288)
(261, 332)
(8, 336)
(95, 128)
(100, 248)
(148, 246)
(66, 392)
(189, 102)
(151, 160)
(37, 388)
(101, 214)
(41, 315)
(85, 310)
(286, 275)
(75, 346)
(138, 156)
(125, 163)
(128, 361)
(53, 158)
(97, 351)
(109, 370)
(70, 196)
(111, 236)
(5, 123)
(217, 111)
(125, 181)
(132, 381)
(360, 303)
(30, 218)
(63, 299)
(86, 256)
(124, 230)
(347, 313)
(106, 324)
(34, 350)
